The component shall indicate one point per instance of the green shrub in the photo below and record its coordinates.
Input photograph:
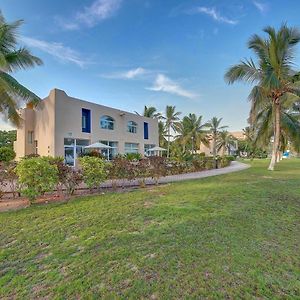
(94, 170)
(210, 163)
(7, 154)
(133, 156)
(230, 157)
(36, 176)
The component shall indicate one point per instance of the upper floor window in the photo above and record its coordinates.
(132, 127)
(107, 122)
(146, 131)
(86, 120)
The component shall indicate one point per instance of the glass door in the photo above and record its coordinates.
(69, 156)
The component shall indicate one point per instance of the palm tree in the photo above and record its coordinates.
(162, 133)
(224, 141)
(215, 129)
(191, 132)
(13, 58)
(289, 127)
(272, 75)
(150, 112)
(171, 120)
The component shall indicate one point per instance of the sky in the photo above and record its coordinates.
(130, 53)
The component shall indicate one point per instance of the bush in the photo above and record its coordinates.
(92, 153)
(230, 157)
(68, 177)
(133, 156)
(157, 167)
(93, 171)
(142, 171)
(7, 154)
(36, 176)
(8, 177)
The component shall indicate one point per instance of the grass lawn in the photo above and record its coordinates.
(232, 236)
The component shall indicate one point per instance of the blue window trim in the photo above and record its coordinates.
(87, 114)
(146, 131)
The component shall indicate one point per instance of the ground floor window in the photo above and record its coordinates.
(147, 147)
(131, 148)
(73, 149)
(112, 152)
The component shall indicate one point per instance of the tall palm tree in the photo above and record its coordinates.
(271, 75)
(150, 112)
(13, 58)
(162, 132)
(289, 127)
(215, 128)
(192, 132)
(224, 141)
(171, 120)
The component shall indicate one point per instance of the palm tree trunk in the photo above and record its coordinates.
(214, 151)
(168, 152)
(275, 150)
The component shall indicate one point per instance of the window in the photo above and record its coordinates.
(146, 131)
(73, 149)
(131, 127)
(131, 148)
(147, 147)
(107, 122)
(30, 137)
(112, 152)
(86, 120)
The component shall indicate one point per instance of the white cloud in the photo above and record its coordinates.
(213, 13)
(57, 50)
(164, 84)
(130, 74)
(262, 7)
(98, 11)
(90, 16)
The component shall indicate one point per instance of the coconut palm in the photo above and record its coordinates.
(13, 58)
(192, 132)
(150, 112)
(214, 129)
(289, 127)
(225, 141)
(171, 121)
(272, 76)
(162, 132)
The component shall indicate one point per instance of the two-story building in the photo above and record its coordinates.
(61, 125)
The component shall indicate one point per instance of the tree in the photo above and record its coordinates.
(7, 138)
(192, 132)
(150, 112)
(162, 133)
(171, 120)
(7, 154)
(13, 58)
(271, 75)
(224, 141)
(215, 128)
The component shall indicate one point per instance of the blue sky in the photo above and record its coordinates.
(131, 53)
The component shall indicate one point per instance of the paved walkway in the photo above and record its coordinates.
(234, 167)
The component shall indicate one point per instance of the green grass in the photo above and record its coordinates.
(232, 236)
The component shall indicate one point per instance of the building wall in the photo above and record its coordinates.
(59, 116)
(22, 146)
